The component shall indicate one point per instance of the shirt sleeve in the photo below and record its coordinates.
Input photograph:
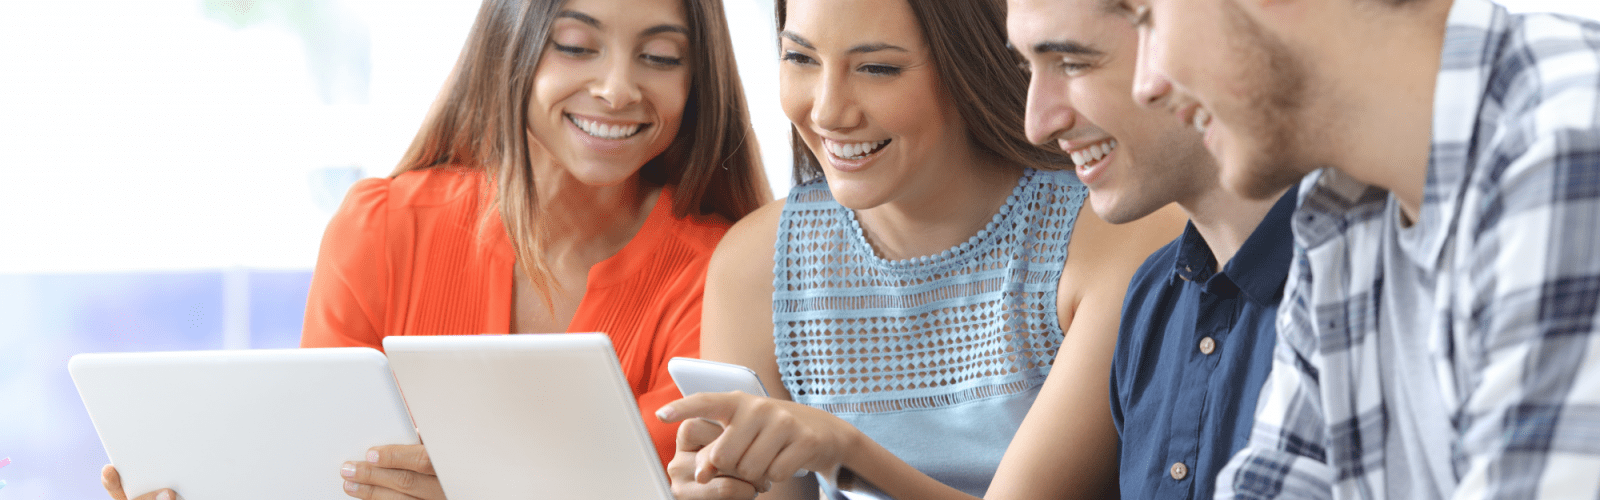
(1529, 310)
(679, 337)
(346, 303)
(1287, 453)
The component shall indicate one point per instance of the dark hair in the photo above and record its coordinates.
(480, 120)
(979, 73)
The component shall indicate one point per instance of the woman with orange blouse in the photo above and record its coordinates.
(574, 175)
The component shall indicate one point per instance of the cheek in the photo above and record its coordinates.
(794, 95)
(669, 94)
(553, 83)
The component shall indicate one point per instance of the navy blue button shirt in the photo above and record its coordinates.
(1194, 348)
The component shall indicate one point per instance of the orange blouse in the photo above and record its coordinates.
(421, 254)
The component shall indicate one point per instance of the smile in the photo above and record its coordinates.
(854, 150)
(1093, 153)
(605, 131)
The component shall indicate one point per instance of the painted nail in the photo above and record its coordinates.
(164, 495)
(372, 456)
(665, 413)
(349, 470)
(349, 486)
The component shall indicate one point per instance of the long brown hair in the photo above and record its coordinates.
(979, 72)
(480, 121)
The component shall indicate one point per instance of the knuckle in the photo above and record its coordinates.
(407, 481)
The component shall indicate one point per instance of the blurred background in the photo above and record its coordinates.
(167, 167)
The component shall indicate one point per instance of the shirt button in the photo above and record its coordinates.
(1179, 471)
(1208, 345)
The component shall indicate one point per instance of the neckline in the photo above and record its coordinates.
(952, 254)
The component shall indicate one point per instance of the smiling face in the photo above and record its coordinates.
(1082, 55)
(1214, 67)
(610, 89)
(859, 83)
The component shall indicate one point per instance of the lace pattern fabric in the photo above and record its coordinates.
(856, 333)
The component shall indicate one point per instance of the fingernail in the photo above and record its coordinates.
(349, 470)
(665, 413)
(164, 495)
(372, 456)
(349, 486)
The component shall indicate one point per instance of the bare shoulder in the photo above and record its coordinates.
(746, 250)
(1102, 253)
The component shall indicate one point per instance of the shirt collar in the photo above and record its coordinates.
(1258, 269)
(1472, 40)
(1262, 264)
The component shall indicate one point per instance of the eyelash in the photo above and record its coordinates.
(572, 50)
(662, 61)
(651, 59)
(797, 58)
(870, 69)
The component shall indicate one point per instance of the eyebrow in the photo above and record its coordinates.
(1066, 47)
(653, 30)
(858, 49)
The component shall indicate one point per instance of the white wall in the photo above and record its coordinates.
(145, 136)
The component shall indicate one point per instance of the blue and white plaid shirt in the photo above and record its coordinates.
(1459, 357)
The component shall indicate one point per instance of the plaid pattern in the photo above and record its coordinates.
(1459, 357)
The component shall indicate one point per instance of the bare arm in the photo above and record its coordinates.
(1068, 432)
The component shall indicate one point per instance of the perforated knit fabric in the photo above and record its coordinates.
(937, 358)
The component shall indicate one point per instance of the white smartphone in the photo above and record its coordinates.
(695, 376)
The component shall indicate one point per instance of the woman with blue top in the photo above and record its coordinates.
(911, 307)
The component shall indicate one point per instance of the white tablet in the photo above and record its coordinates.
(246, 424)
(528, 416)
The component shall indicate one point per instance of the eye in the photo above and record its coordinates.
(573, 50)
(661, 61)
(798, 58)
(1072, 67)
(880, 70)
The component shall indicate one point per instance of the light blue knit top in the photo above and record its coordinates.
(937, 358)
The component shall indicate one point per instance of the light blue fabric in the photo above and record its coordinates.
(937, 358)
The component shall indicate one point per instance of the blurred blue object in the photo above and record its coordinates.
(46, 318)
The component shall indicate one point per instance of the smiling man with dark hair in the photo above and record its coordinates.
(1438, 335)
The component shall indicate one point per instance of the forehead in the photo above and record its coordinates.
(629, 14)
(838, 24)
(1030, 22)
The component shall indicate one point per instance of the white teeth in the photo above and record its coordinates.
(854, 150)
(1093, 153)
(1202, 119)
(604, 131)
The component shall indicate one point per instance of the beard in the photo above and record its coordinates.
(1278, 138)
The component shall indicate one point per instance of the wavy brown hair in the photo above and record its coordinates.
(981, 75)
(480, 121)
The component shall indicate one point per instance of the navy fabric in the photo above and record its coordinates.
(1173, 403)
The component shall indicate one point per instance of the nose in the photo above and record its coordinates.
(616, 85)
(1049, 115)
(1151, 88)
(833, 105)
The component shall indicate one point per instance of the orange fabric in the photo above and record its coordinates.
(418, 255)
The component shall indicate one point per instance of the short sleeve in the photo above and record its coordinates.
(346, 304)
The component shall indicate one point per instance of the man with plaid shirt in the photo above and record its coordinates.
(1440, 330)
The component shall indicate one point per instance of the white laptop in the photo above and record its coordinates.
(246, 424)
(527, 416)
